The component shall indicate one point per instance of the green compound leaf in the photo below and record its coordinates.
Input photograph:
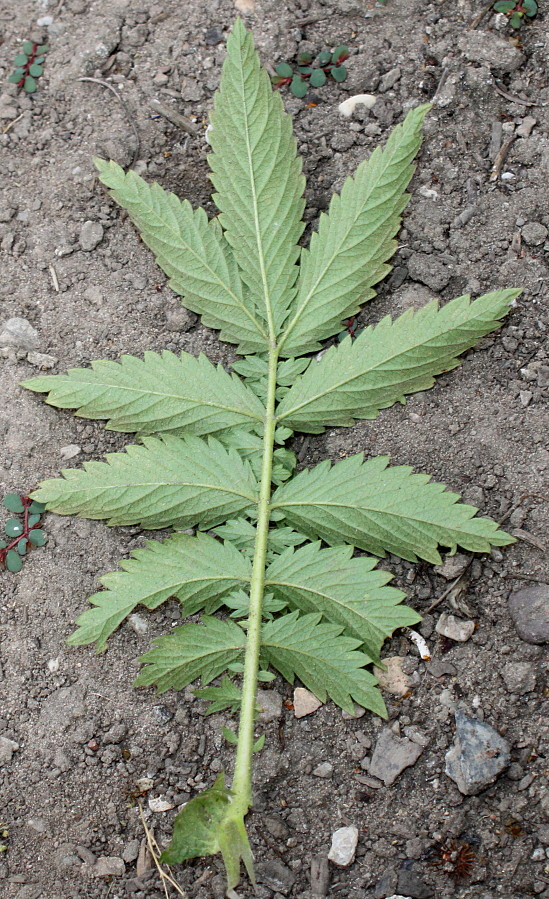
(193, 253)
(530, 7)
(33, 519)
(14, 561)
(28, 47)
(36, 70)
(161, 393)
(208, 825)
(37, 537)
(29, 85)
(13, 527)
(318, 78)
(326, 662)
(299, 87)
(21, 59)
(173, 481)
(199, 571)
(193, 650)
(22, 546)
(346, 590)
(358, 378)
(12, 502)
(257, 178)
(381, 509)
(15, 77)
(225, 696)
(349, 253)
(229, 735)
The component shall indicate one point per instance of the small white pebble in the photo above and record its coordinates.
(343, 848)
(348, 106)
(160, 805)
(53, 666)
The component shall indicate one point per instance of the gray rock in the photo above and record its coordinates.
(7, 748)
(270, 703)
(389, 80)
(453, 566)
(42, 360)
(180, 319)
(428, 270)
(458, 629)
(478, 756)
(6, 212)
(386, 884)
(19, 333)
(275, 875)
(276, 826)
(529, 610)
(325, 769)
(490, 50)
(519, 677)
(392, 755)
(343, 849)
(91, 235)
(534, 234)
(409, 884)
(106, 866)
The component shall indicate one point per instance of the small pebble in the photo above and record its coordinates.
(529, 610)
(478, 756)
(325, 769)
(393, 680)
(106, 866)
(19, 333)
(453, 566)
(519, 677)
(7, 748)
(160, 805)
(270, 703)
(69, 451)
(42, 360)
(343, 848)
(458, 629)
(392, 755)
(305, 702)
(138, 624)
(91, 235)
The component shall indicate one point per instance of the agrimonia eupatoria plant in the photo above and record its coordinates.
(273, 547)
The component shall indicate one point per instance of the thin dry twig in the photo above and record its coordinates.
(449, 589)
(478, 19)
(501, 157)
(154, 850)
(53, 276)
(126, 109)
(174, 117)
(13, 122)
(522, 100)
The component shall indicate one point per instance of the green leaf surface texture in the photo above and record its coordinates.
(257, 178)
(346, 590)
(349, 253)
(198, 570)
(160, 393)
(174, 481)
(381, 509)
(355, 379)
(191, 651)
(193, 253)
(225, 696)
(324, 660)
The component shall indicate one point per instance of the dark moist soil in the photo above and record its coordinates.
(84, 734)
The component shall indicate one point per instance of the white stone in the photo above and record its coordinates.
(325, 769)
(348, 106)
(107, 866)
(344, 843)
(69, 451)
(160, 805)
(305, 702)
(138, 624)
(458, 629)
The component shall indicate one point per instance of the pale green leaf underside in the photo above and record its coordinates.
(180, 482)
(161, 393)
(192, 651)
(349, 253)
(199, 571)
(381, 509)
(257, 178)
(358, 378)
(326, 662)
(193, 253)
(315, 651)
(346, 590)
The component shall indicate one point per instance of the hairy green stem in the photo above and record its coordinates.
(242, 780)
